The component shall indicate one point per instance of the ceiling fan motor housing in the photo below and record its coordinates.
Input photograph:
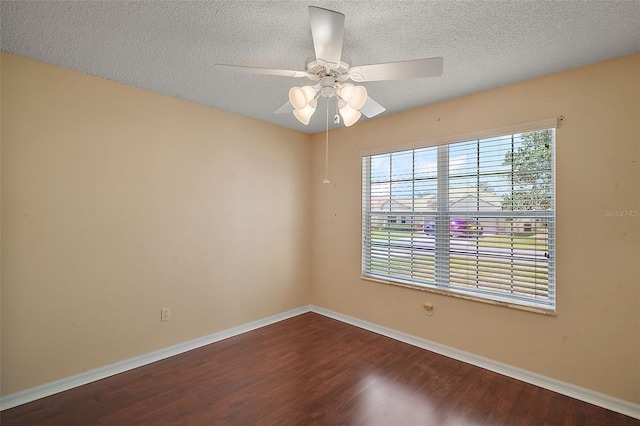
(318, 68)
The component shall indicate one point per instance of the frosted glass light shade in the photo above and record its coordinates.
(358, 97)
(349, 115)
(345, 91)
(309, 92)
(304, 114)
(302, 117)
(297, 98)
(301, 96)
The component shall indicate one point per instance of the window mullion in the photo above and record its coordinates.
(442, 261)
(366, 214)
(413, 209)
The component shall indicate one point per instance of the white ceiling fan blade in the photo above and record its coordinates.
(257, 70)
(418, 68)
(327, 30)
(286, 108)
(371, 108)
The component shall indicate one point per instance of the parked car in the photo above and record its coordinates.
(430, 227)
(457, 226)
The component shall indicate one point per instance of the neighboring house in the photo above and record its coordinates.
(385, 205)
(530, 226)
(467, 199)
(391, 212)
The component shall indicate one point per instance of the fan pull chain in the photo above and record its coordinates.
(326, 150)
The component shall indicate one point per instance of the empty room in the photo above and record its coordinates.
(337, 212)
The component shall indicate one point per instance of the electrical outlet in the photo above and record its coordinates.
(428, 309)
(165, 314)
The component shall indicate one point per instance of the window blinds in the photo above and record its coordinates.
(475, 218)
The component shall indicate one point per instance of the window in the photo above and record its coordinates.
(478, 218)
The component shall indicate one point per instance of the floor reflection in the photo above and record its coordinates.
(388, 401)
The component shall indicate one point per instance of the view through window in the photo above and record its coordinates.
(474, 218)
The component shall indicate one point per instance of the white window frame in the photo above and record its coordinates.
(441, 281)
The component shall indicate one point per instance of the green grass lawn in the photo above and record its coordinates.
(538, 241)
(395, 234)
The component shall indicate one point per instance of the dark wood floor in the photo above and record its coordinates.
(310, 370)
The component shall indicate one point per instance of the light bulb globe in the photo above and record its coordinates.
(358, 97)
(309, 93)
(349, 115)
(297, 97)
(346, 91)
(304, 114)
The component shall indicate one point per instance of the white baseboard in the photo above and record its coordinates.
(67, 383)
(605, 401)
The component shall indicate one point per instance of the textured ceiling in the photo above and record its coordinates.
(171, 47)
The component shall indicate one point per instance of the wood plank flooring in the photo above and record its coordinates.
(310, 370)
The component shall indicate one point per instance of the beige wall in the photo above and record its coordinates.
(594, 341)
(117, 202)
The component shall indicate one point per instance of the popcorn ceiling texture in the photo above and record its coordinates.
(171, 47)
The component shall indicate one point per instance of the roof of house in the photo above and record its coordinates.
(461, 198)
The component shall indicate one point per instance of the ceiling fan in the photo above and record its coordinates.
(331, 71)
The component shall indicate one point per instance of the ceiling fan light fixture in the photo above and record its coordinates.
(345, 90)
(297, 98)
(304, 114)
(302, 117)
(329, 69)
(358, 97)
(301, 96)
(309, 92)
(349, 114)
